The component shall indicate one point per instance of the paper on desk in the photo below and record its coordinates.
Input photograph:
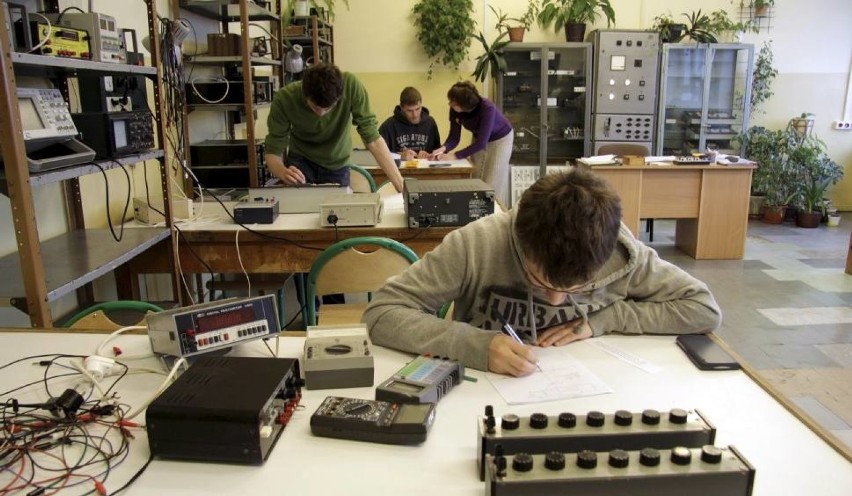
(597, 160)
(659, 158)
(562, 377)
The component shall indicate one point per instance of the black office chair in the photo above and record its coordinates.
(620, 150)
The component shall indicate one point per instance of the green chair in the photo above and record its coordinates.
(345, 267)
(360, 180)
(96, 316)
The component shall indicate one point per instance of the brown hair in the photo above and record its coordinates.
(409, 96)
(567, 225)
(465, 94)
(322, 84)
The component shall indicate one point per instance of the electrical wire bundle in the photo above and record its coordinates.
(73, 440)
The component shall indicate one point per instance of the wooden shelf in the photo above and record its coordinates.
(230, 59)
(227, 10)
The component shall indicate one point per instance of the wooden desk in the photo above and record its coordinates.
(710, 204)
(291, 244)
(789, 458)
(458, 169)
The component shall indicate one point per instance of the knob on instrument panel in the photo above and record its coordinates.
(522, 462)
(567, 420)
(538, 421)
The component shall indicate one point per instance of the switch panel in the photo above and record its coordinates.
(624, 127)
(707, 470)
(569, 433)
(626, 66)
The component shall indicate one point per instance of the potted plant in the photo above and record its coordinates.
(572, 15)
(444, 29)
(803, 125)
(492, 60)
(762, 76)
(759, 8)
(670, 31)
(704, 28)
(775, 177)
(520, 24)
(816, 173)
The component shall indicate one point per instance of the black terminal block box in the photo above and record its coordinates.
(256, 211)
(569, 433)
(707, 470)
(447, 202)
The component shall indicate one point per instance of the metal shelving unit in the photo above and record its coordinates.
(44, 271)
(242, 12)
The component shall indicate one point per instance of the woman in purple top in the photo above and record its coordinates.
(492, 137)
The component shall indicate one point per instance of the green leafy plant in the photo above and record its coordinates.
(700, 27)
(763, 75)
(529, 16)
(670, 31)
(791, 168)
(444, 29)
(560, 12)
(492, 60)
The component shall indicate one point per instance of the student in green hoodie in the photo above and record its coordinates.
(558, 268)
(308, 139)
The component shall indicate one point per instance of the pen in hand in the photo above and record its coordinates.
(508, 330)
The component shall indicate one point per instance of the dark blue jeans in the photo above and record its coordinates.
(317, 174)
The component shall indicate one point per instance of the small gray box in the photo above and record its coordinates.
(338, 357)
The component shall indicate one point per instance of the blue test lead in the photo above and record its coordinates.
(509, 331)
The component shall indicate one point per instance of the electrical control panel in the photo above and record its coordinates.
(626, 68)
(597, 431)
(625, 97)
(212, 326)
(356, 209)
(707, 470)
(256, 211)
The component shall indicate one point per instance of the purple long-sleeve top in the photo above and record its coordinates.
(486, 122)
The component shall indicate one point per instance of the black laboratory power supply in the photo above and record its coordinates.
(224, 409)
(446, 202)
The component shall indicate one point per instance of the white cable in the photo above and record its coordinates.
(166, 382)
(100, 349)
(240, 259)
(47, 37)
(218, 78)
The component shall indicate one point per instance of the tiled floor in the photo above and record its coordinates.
(787, 311)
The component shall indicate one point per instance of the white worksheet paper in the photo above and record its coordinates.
(562, 377)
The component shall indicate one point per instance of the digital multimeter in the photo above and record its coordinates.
(373, 421)
(423, 380)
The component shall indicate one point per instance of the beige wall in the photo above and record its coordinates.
(812, 47)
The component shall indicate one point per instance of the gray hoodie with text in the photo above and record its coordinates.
(478, 267)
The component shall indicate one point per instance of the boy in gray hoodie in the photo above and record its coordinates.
(558, 268)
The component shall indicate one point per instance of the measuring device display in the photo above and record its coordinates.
(373, 421)
(423, 380)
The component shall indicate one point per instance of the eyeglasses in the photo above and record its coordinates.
(537, 283)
